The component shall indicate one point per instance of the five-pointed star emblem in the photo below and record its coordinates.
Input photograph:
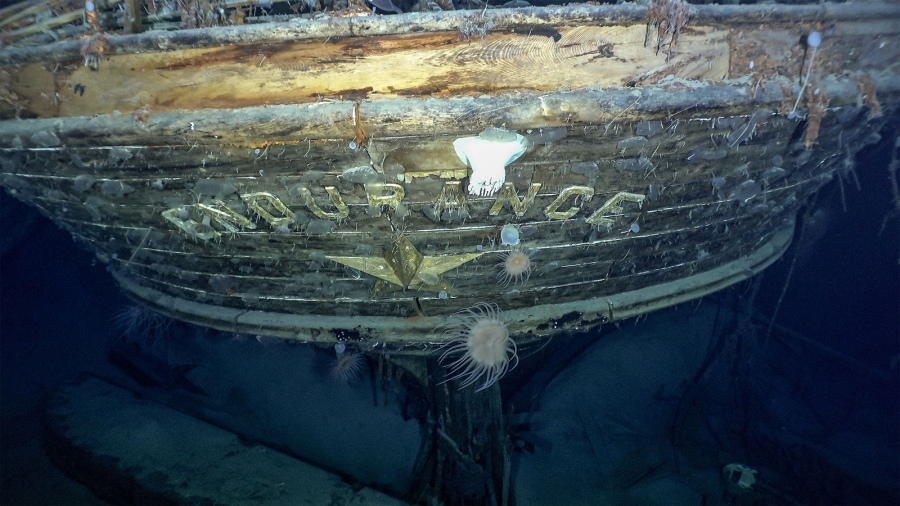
(404, 267)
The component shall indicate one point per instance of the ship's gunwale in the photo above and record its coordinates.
(408, 117)
(579, 14)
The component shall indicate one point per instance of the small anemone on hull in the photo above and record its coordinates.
(481, 339)
(346, 365)
(142, 326)
(515, 267)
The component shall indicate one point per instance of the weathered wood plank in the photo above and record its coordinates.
(435, 64)
(570, 15)
(358, 68)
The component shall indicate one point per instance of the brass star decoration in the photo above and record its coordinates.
(404, 267)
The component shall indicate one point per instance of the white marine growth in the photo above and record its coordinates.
(487, 155)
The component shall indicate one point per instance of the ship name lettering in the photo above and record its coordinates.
(270, 208)
(508, 194)
(585, 192)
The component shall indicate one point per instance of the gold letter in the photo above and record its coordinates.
(586, 192)
(253, 202)
(612, 207)
(221, 214)
(508, 194)
(342, 211)
(451, 197)
(376, 197)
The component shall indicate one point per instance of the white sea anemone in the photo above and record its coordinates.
(142, 326)
(515, 267)
(346, 365)
(480, 336)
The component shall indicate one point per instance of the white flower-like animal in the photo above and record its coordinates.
(487, 155)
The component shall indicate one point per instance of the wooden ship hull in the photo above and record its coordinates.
(304, 179)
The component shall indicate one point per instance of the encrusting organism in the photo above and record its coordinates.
(479, 334)
(509, 235)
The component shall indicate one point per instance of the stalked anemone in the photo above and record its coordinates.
(813, 40)
(481, 339)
